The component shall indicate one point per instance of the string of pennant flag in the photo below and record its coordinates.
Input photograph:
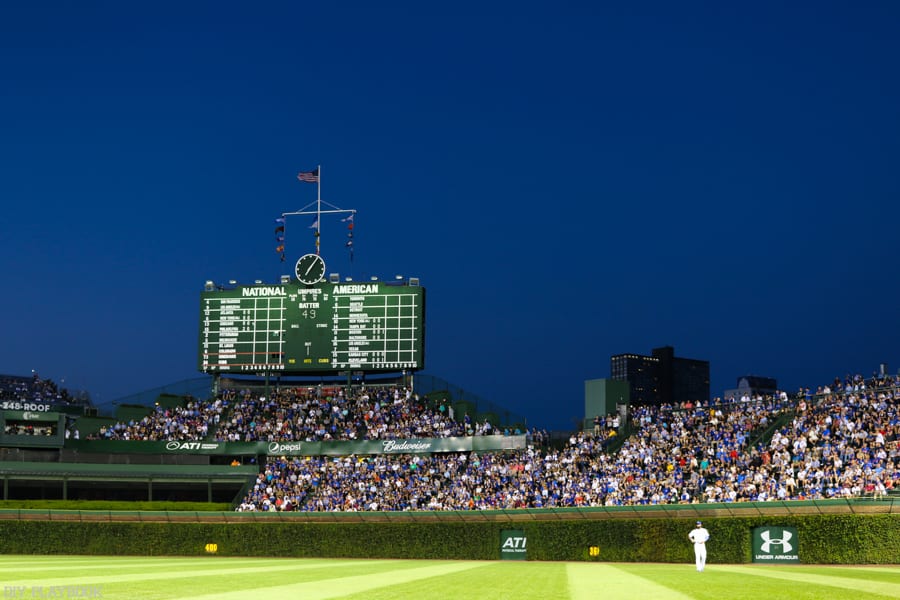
(311, 177)
(349, 220)
(279, 236)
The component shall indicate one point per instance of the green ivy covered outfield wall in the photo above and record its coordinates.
(822, 538)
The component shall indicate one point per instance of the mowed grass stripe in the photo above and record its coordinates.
(251, 584)
(822, 577)
(153, 572)
(496, 580)
(886, 574)
(12, 560)
(233, 578)
(64, 560)
(350, 584)
(721, 581)
(77, 565)
(588, 581)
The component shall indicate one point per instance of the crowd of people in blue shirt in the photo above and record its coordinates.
(320, 414)
(838, 441)
(193, 421)
(301, 414)
(24, 389)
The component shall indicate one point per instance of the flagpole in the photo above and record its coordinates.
(318, 207)
(314, 176)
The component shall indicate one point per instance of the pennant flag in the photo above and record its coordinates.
(309, 176)
(315, 223)
(280, 238)
(349, 243)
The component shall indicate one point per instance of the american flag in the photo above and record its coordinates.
(309, 176)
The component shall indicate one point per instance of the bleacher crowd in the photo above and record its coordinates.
(194, 421)
(318, 414)
(16, 388)
(299, 414)
(838, 441)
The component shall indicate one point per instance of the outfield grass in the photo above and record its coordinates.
(221, 578)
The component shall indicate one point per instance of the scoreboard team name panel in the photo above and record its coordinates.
(329, 327)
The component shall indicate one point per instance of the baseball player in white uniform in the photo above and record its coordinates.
(699, 536)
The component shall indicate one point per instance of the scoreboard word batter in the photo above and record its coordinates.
(295, 328)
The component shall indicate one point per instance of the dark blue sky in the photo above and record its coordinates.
(569, 181)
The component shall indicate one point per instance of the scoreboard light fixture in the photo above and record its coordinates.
(285, 279)
(334, 277)
(257, 282)
(414, 281)
(232, 282)
(210, 285)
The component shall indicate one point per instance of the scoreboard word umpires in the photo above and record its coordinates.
(295, 328)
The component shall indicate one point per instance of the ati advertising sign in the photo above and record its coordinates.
(775, 545)
(513, 544)
(331, 448)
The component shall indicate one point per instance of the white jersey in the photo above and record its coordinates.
(699, 535)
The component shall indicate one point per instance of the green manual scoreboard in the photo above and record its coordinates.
(310, 329)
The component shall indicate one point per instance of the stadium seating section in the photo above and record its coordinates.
(837, 441)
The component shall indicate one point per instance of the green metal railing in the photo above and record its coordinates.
(855, 506)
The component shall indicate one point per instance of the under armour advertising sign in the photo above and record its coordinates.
(775, 545)
(513, 544)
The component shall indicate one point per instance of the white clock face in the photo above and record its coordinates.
(310, 269)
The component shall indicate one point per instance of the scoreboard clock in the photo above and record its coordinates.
(310, 269)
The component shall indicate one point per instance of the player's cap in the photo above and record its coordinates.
(699, 523)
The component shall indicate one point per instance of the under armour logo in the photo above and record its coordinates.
(783, 542)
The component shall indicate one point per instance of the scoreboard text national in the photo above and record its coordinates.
(293, 328)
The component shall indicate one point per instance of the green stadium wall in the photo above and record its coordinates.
(560, 535)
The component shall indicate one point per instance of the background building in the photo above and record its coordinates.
(662, 378)
(604, 397)
(751, 386)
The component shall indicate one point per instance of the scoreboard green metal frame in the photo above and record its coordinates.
(322, 329)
